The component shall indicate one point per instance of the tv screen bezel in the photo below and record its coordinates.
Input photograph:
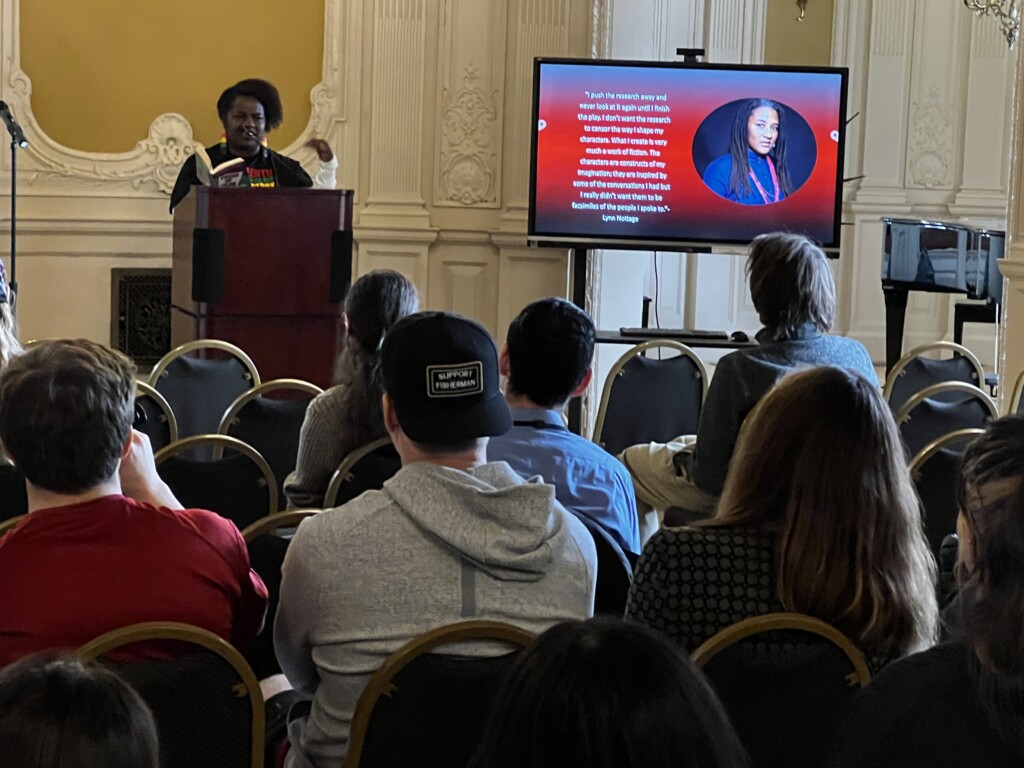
(643, 242)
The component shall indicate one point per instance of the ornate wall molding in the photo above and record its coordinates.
(152, 166)
(931, 141)
(469, 135)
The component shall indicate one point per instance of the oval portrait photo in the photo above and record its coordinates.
(754, 151)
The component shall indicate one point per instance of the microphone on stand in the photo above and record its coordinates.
(12, 125)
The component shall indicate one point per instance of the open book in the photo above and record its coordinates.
(230, 173)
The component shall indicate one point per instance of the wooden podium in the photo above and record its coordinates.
(267, 270)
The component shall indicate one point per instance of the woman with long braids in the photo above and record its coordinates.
(754, 172)
(348, 414)
(962, 703)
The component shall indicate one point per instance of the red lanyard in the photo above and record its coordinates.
(775, 182)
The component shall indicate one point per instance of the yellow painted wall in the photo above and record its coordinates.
(807, 42)
(101, 70)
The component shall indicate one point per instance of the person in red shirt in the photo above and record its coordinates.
(105, 543)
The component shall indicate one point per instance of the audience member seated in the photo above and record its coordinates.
(605, 694)
(546, 359)
(818, 516)
(57, 713)
(105, 543)
(449, 537)
(795, 297)
(960, 703)
(9, 345)
(348, 415)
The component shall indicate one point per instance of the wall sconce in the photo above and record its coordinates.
(1007, 11)
(802, 5)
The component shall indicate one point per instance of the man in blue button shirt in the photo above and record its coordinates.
(546, 359)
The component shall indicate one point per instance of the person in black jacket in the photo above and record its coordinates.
(247, 110)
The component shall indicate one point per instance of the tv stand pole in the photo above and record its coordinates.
(580, 258)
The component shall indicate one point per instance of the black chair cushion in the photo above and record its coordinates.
(652, 400)
(233, 487)
(272, 427)
(369, 473)
(787, 695)
(201, 717)
(437, 713)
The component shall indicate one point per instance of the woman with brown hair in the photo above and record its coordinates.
(962, 703)
(818, 516)
(348, 415)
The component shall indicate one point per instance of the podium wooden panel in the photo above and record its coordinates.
(271, 289)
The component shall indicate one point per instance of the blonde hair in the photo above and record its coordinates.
(9, 344)
(819, 461)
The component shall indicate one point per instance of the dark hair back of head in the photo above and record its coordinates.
(550, 348)
(261, 90)
(60, 714)
(991, 496)
(791, 284)
(66, 410)
(375, 302)
(739, 176)
(606, 694)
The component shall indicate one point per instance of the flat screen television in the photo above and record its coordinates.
(674, 156)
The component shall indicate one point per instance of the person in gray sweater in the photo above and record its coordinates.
(794, 294)
(347, 415)
(449, 537)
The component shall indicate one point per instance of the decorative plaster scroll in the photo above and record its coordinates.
(468, 143)
(931, 142)
(152, 166)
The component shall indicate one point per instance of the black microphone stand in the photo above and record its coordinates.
(14, 219)
(18, 140)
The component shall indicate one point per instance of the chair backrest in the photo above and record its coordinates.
(10, 522)
(932, 413)
(158, 421)
(13, 495)
(239, 486)
(1015, 398)
(267, 541)
(789, 683)
(913, 372)
(366, 468)
(428, 709)
(614, 571)
(271, 425)
(201, 389)
(935, 469)
(207, 704)
(649, 400)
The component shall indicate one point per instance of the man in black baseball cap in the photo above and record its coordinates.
(449, 537)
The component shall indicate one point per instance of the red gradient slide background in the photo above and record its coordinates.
(695, 212)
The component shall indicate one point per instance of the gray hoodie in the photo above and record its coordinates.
(435, 546)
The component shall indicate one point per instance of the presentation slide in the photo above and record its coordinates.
(694, 154)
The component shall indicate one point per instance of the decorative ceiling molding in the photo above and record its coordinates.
(152, 166)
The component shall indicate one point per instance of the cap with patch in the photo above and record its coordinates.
(440, 371)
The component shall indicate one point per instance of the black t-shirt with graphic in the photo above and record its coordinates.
(266, 168)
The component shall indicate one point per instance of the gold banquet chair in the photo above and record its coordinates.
(915, 371)
(207, 704)
(789, 683)
(239, 486)
(271, 425)
(940, 409)
(424, 707)
(200, 380)
(366, 468)
(645, 399)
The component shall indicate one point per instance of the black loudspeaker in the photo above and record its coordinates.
(341, 266)
(208, 265)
